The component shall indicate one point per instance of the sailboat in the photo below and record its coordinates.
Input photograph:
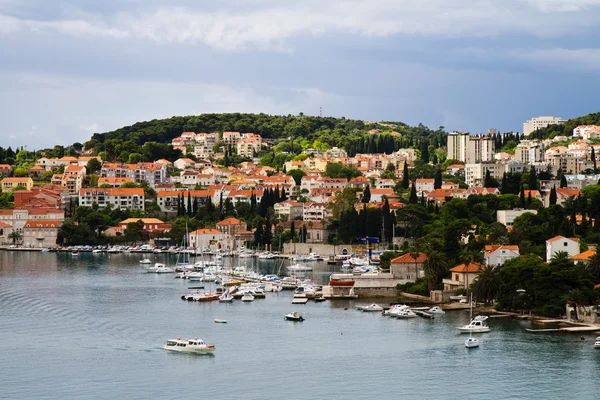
(184, 264)
(471, 341)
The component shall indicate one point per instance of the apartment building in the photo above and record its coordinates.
(122, 198)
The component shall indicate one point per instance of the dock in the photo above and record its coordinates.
(300, 300)
(423, 314)
(570, 329)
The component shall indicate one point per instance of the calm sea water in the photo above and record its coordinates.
(93, 326)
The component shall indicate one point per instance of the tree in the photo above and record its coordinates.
(553, 197)
(593, 157)
(486, 285)
(15, 236)
(434, 267)
(533, 180)
(366, 195)
(189, 205)
(563, 182)
(297, 174)
(437, 180)
(93, 166)
(405, 177)
(425, 152)
(413, 194)
(522, 198)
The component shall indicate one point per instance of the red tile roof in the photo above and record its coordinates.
(471, 268)
(408, 258)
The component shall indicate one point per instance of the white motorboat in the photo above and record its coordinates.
(475, 326)
(370, 308)
(189, 346)
(597, 343)
(164, 270)
(436, 310)
(395, 309)
(405, 314)
(96, 251)
(74, 253)
(247, 297)
(299, 268)
(294, 317)
(144, 261)
(226, 298)
(458, 298)
(471, 342)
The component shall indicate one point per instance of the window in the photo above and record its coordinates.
(565, 244)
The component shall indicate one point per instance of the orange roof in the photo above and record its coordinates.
(473, 267)
(230, 221)
(19, 180)
(193, 193)
(35, 168)
(586, 255)
(43, 223)
(114, 180)
(555, 238)
(144, 220)
(4, 225)
(114, 191)
(207, 231)
(490, 248)
(382, 191)
(425, 180)
(407, 258)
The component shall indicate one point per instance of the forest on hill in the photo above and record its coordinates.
(566, 129)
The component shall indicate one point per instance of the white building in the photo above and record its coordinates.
(288, 210)
(209, 238)
(41, 233)
(457, 146)
(561, 243)
(475, 173)
(507, 217)
(530, 152)
(498, 255)
(470, 149)
(540, 122)
(122, 198)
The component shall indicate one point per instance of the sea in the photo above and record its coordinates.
(92, 327)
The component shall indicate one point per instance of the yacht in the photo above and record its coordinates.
(164, 270)
(189, 346)
(395, 309)
(475, 326)
(370, 308)
(144, 261)
(299, 268)
(226, 298)
(597, 343)
(154, 267)
(294, 317)
(405, 314)
(436, 310)
(247, 297)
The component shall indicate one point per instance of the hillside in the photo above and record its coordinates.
(566, 129)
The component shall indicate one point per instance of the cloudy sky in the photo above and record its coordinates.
(69, 68)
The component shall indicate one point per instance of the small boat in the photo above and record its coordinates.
(144, 261)
(341, 282)
(189, 346)
(597, 343)
(164, 270)
(299, 268)
(320, 299)
(96, 251)
(475, 326)
(74, 253)
(471, 342)
(226, 298)
(247, 297)
(405, 314)
(294, 317)
(435, 310)
(220, 321)
(299, 300)
(370, 308)
(395, 309)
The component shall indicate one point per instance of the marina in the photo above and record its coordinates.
(105, 308)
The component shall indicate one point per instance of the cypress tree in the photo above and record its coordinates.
(435, 159)
(522, 197)
(563, 182)
(437, 181)
(425, 152)
(553, 197)
(405, 177)
(529, 198)
(533, 181)
(593, 157)
(283, 194)
(189, 205)
(195, 206)
(413, 194)
(504, 185)
(293, 230)
(366, 194)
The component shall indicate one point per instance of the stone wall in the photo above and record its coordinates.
(324, 250)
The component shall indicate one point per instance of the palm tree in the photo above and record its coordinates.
(575, 298)
(414, 252)
(594, 267)
(487, 285)
(434, 267)
(15, 236)
(560, 256)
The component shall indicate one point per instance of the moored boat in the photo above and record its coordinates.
(294, 316)
(340, 282)
(247, 297)
(195, 345)
(435, 310)
(370, 308)
(144, 261)
(475, 326)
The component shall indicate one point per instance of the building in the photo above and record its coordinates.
(150, 224)
(40, 233)
(152, 173)
(71, 178)
(530, 152)
(12, 184)
(408, 268)
(231, 138)
(496, 255)
(316, 211)
(335, 153)
(457, 146)
(249, 145)
(462, 276)
(470, 148)
(209, 238)
(424, 185)
(507, 217)
(113, 182)
(475, 173)
(122, 198)
(561, 243)
(231, 226)
(288, 209)
(540, 122)
(5, 170)
(169, 199)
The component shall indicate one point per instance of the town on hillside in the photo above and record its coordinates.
(445, 212)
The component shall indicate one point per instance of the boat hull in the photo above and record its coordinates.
(204, 350)
(471, 343)
(477, 330)
(348, 283)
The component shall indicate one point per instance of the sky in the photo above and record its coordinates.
(70, 68)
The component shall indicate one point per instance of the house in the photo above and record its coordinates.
(6, 170)
(316, 232)
(507, 217)
(288, 209)
(122, 198)
(169, 199)
(183, 163)
(562, 194)
(561, 243)
(150, 224)
(113, 182)
(315, 211)
(40, 233)
(407, 267)
(34, 172)
(462, 276)
(231, 226)
(5, 231)
(535, 194)
(378, 195)
(209, 238)
(359, 182)
(12, 184)
(584, 257)
(496, 255)
(456, 169)
(424, 185)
